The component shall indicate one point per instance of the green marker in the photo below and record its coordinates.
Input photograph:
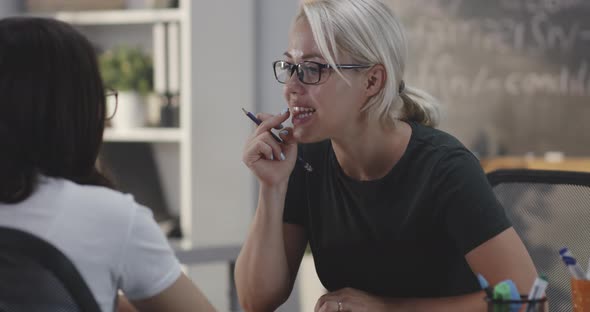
(506, 291)
(502, 293)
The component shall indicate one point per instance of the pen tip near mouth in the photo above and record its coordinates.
(245, 111)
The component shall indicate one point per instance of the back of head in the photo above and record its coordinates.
(52, 106)
(369, 32)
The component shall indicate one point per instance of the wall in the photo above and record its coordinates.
(274, 22)
(223, 45)
(272, 27)
(10, 7)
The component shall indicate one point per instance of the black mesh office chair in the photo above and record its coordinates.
(37, 277)
(549, 210)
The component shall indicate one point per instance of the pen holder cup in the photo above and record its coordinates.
(522, 305)
(580, 295)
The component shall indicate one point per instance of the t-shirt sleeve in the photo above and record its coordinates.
(149, 265)
(295, 211)
(468, 207)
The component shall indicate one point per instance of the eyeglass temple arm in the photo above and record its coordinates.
(348, 66)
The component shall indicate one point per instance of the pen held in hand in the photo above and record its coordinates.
(305, 165)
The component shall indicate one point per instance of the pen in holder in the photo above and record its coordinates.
(522, 305)
(580, 295)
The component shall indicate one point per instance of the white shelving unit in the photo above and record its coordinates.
(176, 152)
(118, 17)
(148, 135)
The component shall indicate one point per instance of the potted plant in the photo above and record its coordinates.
(129, 71)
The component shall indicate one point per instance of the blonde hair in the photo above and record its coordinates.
(369, 32)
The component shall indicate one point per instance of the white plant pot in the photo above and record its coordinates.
(131, 112)
(310, 287)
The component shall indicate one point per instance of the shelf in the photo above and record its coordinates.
(156, 135)
(116, 17)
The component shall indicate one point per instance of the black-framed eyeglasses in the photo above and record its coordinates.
(308, 72)
(112, 102)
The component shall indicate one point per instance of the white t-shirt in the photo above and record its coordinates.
(114, 242)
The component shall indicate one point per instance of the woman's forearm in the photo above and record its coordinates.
(262, 272)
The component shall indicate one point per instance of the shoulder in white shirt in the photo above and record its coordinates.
(114, 242)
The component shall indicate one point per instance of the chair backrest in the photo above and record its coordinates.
(37, 277)
(549, 210)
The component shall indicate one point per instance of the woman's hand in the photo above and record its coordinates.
(270, 161)
(350, 300)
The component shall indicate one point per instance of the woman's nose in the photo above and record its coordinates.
(293, 84)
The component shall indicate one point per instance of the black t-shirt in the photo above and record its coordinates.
(404, 235)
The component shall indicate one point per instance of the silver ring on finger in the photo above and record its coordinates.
(340, 306)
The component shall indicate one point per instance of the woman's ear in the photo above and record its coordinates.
(375, 80)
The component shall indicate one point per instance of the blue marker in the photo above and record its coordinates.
(483, 283)
(572, 265)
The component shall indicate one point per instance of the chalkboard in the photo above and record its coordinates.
(513, 76)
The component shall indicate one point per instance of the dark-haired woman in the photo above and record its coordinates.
(52, 116)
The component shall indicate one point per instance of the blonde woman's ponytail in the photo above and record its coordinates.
(419, 106)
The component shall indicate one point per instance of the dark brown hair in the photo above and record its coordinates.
(52, 106)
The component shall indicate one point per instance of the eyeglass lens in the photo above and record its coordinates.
(307, 72)
(111, 104)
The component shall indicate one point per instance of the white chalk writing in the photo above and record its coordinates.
(441, 80)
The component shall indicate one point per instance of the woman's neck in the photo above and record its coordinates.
(371, 153)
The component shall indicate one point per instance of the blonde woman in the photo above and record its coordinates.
(399, 215)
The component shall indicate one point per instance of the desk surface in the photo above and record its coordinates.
(513, 162)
